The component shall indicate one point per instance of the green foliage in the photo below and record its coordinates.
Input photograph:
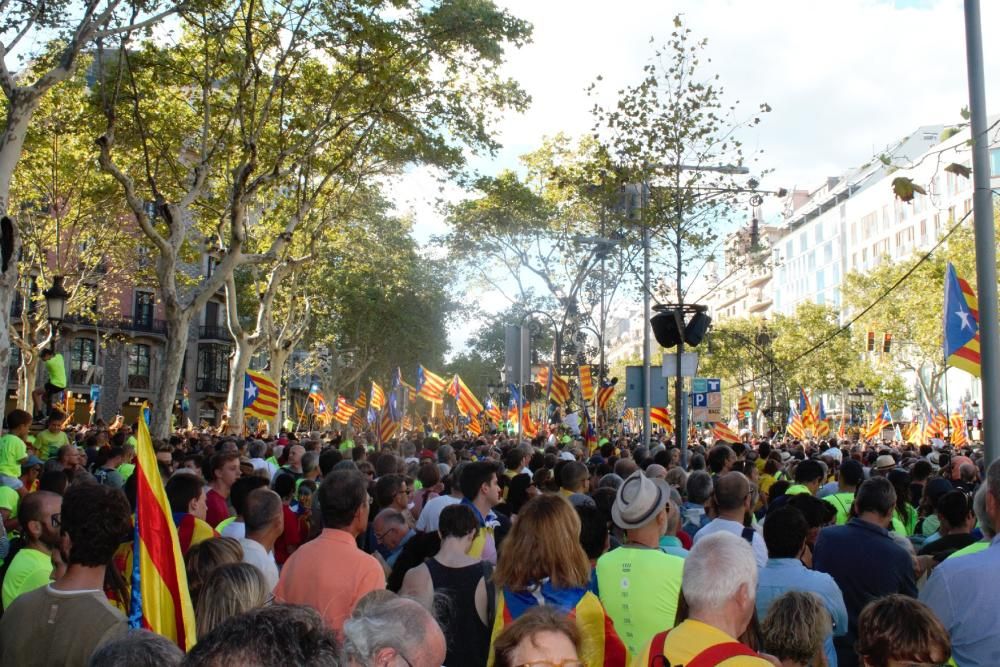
(673, 132)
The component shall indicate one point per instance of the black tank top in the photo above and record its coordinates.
(455, 608)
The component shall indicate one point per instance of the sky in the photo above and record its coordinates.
(845, 79)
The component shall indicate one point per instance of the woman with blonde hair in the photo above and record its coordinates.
(794, 629)
(203, 558)
(233, 588)
(542, 563)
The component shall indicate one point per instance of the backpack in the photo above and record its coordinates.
(710, 657)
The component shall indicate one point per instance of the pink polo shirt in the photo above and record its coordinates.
(330, 574)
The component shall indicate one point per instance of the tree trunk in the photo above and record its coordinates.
(27, 379)
(242, 352)
(19, 112)
(278, 356)
(178, 323)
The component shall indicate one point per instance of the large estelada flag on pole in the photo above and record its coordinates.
(722, 433)
(260, 395)
(555, 385)
(430, 386)
(604, 395)
(961, 324)
(467, 402)
(883, 420)
(160, 599)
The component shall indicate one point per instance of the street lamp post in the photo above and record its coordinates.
(522, 381)
(55, 302)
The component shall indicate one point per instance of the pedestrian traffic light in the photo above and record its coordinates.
(871, 341)
(886, 342)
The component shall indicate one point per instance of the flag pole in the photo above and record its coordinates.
(984, 231)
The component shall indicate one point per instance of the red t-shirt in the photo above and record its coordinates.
(290, 539)
(218, 510)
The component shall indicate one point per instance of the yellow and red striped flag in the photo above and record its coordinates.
(722, 433)
(604, 395)
(475, 428)
(795, 427)
(661, 416)
(822, 424)
(492, 411)
(430, 385)
(260, 395)
(160, 599)
(747, 402)
(343, 411)
(842, 429)
(528, 426)
(554, 385)
(958, 436)
(467, 402)
(387, 427)
(586, 384)
(377, 401)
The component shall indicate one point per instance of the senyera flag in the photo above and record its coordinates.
(586, 384)
(160, 599)
(722, 433)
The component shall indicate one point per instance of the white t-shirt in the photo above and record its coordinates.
(430, 515)
(235, 529)
(736, 528)
(254, 553)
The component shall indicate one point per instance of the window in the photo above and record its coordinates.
(811, 266)
(854, 233)
(211, 314)
(820, 281)
(15, 362)
(143, 313)
(82, 355)
(828, 252)
(995, 162)
(803, 243)
(138, 366)
(819, 233)
(788, 251)
(213, 368)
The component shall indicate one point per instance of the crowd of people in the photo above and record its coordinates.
(321, 548)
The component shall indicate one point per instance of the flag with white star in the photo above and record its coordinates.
(961, 323)
(260, 395)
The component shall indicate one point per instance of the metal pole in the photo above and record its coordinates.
(521, 381)
(983, 224)
(679, 407)
(646, 328)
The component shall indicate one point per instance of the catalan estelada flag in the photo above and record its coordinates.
(475, 428)
(160, 599)
(806, 410)
(961, 324)
(492, 411)
(722, 433)
(604, 395)
(602, 647)
(822, 425)
(343, 411)
(882, 420)
(586, 384)
(661, 417)
(555, 385)
(430, 385)
(467, 402)
(747, 402)
(260, 395)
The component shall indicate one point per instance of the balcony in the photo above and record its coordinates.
(212, 385)
(214, 332)
(135, 324)
(138, 382)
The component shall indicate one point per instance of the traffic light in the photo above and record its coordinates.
(871, 341)
(886, 342)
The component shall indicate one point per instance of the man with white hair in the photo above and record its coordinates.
(720, 607)
(385, 629)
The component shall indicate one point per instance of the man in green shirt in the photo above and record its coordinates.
(32, 566)
(639, 585)
(808, 478)
(13, 450)
(851, 476)
(49, 441)
(55, 366)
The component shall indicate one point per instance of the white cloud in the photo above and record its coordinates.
(845, 78)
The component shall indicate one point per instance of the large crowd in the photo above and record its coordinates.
(319, 548)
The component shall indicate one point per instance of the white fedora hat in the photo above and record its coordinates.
(638, 500)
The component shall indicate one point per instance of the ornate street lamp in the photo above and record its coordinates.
(55, 301)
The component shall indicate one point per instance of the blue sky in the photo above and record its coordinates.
(844, 78)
